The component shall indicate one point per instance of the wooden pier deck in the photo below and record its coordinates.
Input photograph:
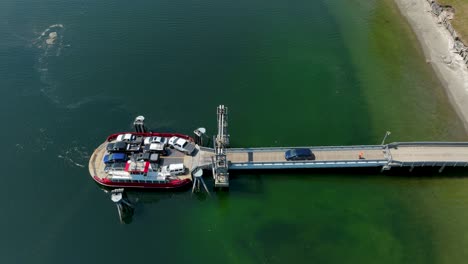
(386, 156)
(277, 155)
(438, 154)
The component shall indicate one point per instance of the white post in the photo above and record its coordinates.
(385, 137)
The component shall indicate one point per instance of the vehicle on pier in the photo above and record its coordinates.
(299, 154)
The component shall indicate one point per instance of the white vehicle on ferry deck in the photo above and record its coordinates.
(173, 169)
(182, 145)
(158, 140)
(126, 137)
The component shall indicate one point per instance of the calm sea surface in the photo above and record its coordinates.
(291, 72)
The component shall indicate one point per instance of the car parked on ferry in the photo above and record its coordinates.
(115, 157)
(126, 137)
(158, 140)
(173, 169)
(119, 146)
(182, 145)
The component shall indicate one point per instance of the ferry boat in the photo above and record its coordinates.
(144, 160)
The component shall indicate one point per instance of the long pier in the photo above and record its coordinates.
(325, 157)
(384, 156)
(409, 154)
(221, 159)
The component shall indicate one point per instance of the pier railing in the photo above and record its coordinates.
(322, 148)
(309, 164)
(428, 143)
(396, 163)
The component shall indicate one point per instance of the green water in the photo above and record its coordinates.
(291, 73)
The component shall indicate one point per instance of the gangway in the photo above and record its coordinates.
(220, 161)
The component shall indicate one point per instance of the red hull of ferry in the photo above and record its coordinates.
(151, 134)
(174, 184)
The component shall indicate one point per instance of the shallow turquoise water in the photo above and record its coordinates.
(292, 73)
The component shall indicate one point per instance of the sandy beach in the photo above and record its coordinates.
(438, 49)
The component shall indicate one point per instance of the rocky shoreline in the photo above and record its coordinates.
(442, 47)
(444, 15)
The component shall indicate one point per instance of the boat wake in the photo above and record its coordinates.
(70, 161)
(50, 43)
(42, 141)
(75, 156)
(93, 99)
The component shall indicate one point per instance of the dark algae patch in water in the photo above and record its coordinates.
(296, 222)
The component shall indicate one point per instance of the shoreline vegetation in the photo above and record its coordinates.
(431, 24)
(459, 21)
